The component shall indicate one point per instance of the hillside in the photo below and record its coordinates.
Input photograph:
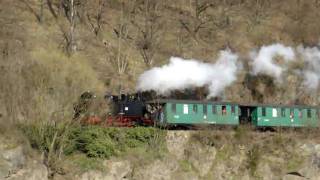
(54, 50)
(113, 42)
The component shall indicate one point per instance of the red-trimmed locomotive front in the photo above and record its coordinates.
(127, 121)
(127, 111)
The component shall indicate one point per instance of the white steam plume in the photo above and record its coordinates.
(180, 74)
(311, 72)
(263, 62)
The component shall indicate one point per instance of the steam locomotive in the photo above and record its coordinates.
(141, 110)
(128, 110)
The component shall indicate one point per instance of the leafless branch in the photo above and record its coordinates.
(51, 9)
(96, 19)
(38, 15)
(148, 40)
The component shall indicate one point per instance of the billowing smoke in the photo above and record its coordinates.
(301, 64)
(311, 80)
(311, 72)
(264, 63)
(264, 60)
(180, 74)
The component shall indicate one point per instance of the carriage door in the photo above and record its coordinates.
(247, 114)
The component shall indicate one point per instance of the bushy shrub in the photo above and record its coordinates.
(46, 136)
(139, 136)
(52, 139)
(98, 141)
(94, 141)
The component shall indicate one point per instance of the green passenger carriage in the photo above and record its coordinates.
(190, 112)
(285, 116)
(181, 112)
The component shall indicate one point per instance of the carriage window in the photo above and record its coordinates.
(291, 113)
(195, 108)
(233, 109)
(185, 109)
(263, 111)
(274, 112)
(224, 110)
(173, 108)
(300, 113)
(283, 112)
(309, 113)
(204, 109)
(214, 109)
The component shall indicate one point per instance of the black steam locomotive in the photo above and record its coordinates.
(141, 109)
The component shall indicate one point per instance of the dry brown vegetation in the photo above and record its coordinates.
(53, 50)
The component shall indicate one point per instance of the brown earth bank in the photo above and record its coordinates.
(214, 154)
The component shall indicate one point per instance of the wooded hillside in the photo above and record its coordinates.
(53, 50)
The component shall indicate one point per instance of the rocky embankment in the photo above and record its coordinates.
(17, 164)
(189, 155)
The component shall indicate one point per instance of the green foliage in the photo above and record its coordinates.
(94, 141)
(102, 142)
(46, 136)
(50, 138)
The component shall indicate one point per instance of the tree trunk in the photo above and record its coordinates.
(41, 11)
(73, 46)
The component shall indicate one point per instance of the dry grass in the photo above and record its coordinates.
(45, 85)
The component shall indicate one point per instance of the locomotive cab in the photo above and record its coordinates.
(127, 105)
(127, 110)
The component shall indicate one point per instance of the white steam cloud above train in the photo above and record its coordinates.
(311, 71)
(181, 74)
(264, 60)
(272, 60)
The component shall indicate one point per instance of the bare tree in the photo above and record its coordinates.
(118, 55)
(52, 8)
(198, 19)
(73, 46)
(259, 12)
(148, 38)
(36, 9)
(94, 15)
(66, 14)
